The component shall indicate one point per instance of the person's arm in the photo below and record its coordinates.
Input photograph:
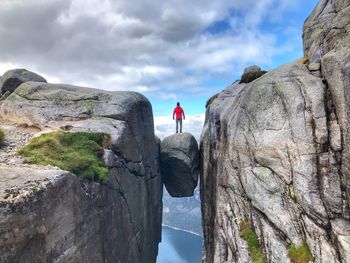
(174, 114)
(183, 113)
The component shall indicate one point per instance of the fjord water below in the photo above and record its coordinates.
(179, 246)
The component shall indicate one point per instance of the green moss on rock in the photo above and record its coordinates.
(255, 251)
(250, 76)
(300, 254)
(77, 152)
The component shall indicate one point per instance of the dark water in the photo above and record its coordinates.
(179, 247)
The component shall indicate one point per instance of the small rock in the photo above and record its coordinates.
(252, 69)
(252, 73)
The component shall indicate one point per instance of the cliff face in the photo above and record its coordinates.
(50, 215)
(327, 42)
(275, 157)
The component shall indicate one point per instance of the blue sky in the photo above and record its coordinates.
(175, 50)
(285, 28)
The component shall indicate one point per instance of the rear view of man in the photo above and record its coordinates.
(178, 113)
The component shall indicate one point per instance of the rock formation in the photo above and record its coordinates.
(327, 44)
(252, 73)
(179, 162)
(50, 215)
(275, 155)
(15, 77)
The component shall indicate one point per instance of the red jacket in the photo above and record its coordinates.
(178, 112)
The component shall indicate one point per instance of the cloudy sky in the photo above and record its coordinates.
(169, 50)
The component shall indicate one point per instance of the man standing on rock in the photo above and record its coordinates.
(178, 113)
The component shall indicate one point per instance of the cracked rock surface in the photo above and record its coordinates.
(275, 152)
(179, 162)
(50, 215)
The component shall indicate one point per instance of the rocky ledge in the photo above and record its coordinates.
(50, 215)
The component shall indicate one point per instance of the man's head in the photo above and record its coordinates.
(178, 104)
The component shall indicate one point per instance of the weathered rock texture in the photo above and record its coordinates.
(179, 162)
(15, 77)
(327, 41)
(275, 152)
(48, 215)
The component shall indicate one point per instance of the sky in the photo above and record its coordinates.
(168, 50)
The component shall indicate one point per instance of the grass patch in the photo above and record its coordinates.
(77, 152)
(246, 232)
(250, 76)
(300, 254)
(2, 138)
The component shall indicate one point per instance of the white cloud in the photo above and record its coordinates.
(165, 125)
(153, 47)
(6, 66)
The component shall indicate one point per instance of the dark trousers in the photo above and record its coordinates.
(177, 125)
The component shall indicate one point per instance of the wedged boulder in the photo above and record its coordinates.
(179, 162)
(15, 77)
